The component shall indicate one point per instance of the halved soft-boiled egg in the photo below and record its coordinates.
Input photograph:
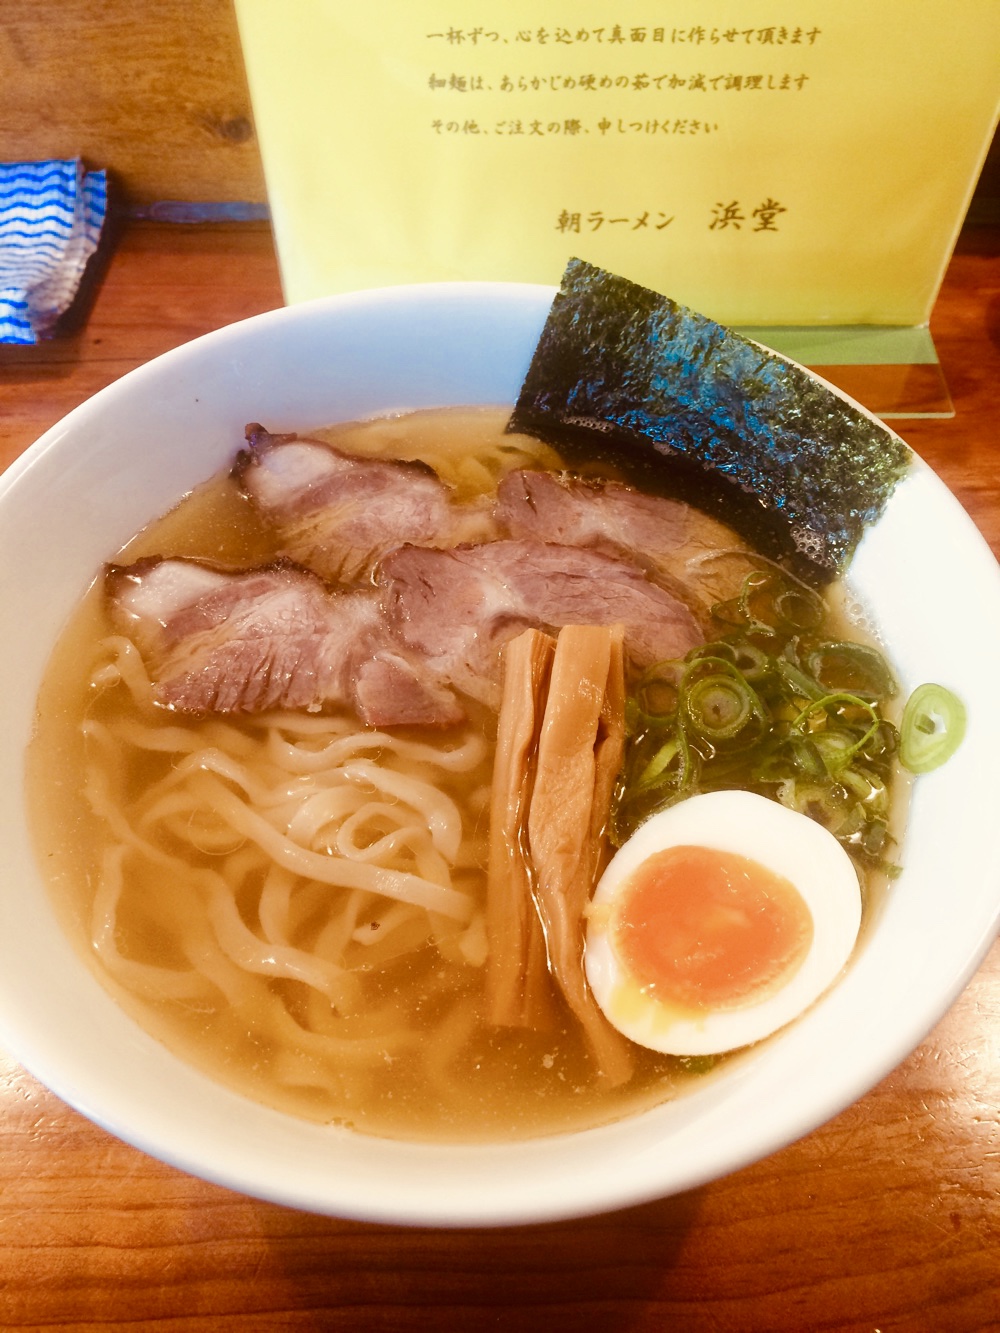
(720, 920)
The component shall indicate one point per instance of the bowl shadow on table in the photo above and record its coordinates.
(609, 1267)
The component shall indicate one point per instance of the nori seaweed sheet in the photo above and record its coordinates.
(682, 405)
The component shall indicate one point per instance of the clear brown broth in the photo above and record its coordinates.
(481, 1084)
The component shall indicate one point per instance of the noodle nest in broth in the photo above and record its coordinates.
(294, 902)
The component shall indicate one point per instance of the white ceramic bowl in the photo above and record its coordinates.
(129, 453)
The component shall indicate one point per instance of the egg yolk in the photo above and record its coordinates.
(708, 929)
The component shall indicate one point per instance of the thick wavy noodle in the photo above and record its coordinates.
(306, 880)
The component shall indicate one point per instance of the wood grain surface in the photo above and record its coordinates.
(155, 91)
(887, 1218)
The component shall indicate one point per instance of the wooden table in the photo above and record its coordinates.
(887, 1218)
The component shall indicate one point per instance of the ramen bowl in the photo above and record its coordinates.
(129, 454)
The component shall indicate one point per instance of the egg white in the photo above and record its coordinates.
(787, 843)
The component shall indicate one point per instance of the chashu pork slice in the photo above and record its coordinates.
(272, 637)
(337, 513)
(668, 538)
(457, 607)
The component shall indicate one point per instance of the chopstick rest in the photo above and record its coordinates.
(51, 217)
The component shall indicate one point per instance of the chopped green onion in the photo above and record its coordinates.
(751, 662)
(837, 747)
(717, 707)
(799, 608)
(874, 838)
(717, 701)
(776, 706)
(659, 763)
(657, 692)
(852, 666)
(837, 743)
(793, 757)
(871, 790)
(932, 728)
(826, 803)
(774, 602)
(802, 685)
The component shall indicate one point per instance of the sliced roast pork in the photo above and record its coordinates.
(606, 515)
(678, 545)
(337, 513)
(273, 637)
(457, 607)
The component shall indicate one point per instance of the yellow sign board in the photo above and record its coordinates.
(767, 162)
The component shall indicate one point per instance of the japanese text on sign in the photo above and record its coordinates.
(641, 81)
(707, 148)
(724, 217)
(617, 35)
